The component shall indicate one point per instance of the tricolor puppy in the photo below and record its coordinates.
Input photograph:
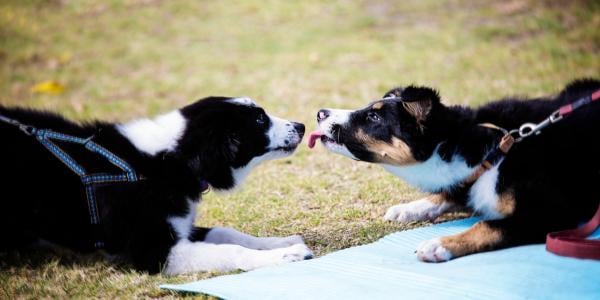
(546, 183)
(216, 141)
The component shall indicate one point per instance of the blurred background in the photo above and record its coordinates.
(123, 59)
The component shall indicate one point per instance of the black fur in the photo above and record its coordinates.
(553, 175)
(43, 199)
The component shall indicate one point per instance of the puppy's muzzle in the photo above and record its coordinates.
(299, 128)
(322, 115)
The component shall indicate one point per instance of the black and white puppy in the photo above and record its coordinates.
(216, 140)
(546, 183)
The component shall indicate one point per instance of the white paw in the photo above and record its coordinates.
(293, 253)
(265, 258)
(400, 213)
(433, 251)
(419, 210)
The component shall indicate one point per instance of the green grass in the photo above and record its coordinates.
(124, 59)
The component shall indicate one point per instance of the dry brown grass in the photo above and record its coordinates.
(121, 59)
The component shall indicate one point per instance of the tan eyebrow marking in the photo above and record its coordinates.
(377, 105)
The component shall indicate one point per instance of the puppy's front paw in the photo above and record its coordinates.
(407, 212)
(400, 213)
(293, 253)
(420, 210)
(264, 258)
(433, 251)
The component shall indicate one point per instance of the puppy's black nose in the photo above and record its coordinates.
(299, 128)
(323, 114)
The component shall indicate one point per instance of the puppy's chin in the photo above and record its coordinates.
(329, 143)
(283, 151)
(239, 174)
(338, 148)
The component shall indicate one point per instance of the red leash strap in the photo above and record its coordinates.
(569, 108)
(573, 243)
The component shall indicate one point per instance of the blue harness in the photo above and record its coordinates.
(46, 136)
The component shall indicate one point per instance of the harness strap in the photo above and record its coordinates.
(494, 156)
(46, 136)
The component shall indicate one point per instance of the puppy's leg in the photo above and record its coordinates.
(189, 257)
(483, 236)
(223, 235)
(427, 208)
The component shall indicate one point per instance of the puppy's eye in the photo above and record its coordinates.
(261, 120)
(373, 117)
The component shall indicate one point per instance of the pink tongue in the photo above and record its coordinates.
(313, 137)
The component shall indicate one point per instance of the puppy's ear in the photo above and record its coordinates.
(419, 101)
(233, 143)
(211, 147)
(225, 146)
(394, 93)
(419, 109)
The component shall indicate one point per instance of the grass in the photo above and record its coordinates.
(122, 59)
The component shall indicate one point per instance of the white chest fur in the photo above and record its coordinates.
(483, 197)
(182, 225)
(433, 174)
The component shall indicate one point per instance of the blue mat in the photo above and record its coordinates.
(389, 269)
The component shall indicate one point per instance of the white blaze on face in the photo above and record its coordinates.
(243, 101)
(337, 117)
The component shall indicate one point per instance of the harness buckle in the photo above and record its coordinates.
(556, 116)
(527, 129)
(28, 130)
